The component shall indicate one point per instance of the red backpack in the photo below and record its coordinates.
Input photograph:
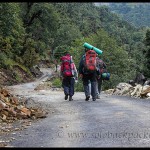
(67, 66)
(90, 62)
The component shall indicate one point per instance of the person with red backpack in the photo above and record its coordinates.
(88, 72)
(69, 74)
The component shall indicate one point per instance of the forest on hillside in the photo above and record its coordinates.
(31, 32)
(135, 13)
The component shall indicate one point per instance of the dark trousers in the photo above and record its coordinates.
(99, 86)
(68, 85)
(92, 79)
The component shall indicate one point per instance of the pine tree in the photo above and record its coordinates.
(147, 54)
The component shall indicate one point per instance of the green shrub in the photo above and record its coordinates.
(16, 76)
(57, 83)
(79, 86)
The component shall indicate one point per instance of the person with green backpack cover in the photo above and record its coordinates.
(88, 72)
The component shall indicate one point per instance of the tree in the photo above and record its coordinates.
(147, 54)
(12, 30)
(41, 22)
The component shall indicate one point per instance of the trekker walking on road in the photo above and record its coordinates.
(69, 74)
(87, 74)
(102, 69)
(56, 65)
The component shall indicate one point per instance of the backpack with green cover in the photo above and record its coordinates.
(90, 63)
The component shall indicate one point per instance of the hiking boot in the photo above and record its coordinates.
(70, 98)
(66, 96)
(98, 97)
(87, 98)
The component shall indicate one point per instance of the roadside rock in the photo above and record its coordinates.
(13, 108)
(126, 89)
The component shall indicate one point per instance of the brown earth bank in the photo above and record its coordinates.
(18, 75)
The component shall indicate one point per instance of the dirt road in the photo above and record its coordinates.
(112, 121)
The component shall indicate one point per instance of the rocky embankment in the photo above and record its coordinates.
(15, 109)
(126, 89)
(18, 110)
